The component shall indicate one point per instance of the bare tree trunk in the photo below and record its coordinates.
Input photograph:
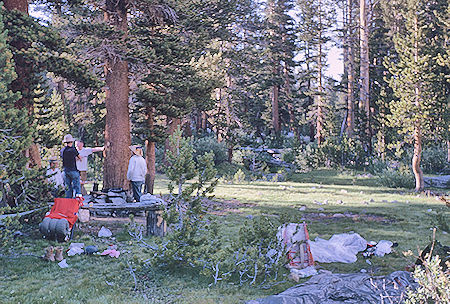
(364, 64)
(275, 106)
(173, 124)
(418, 174)
(117, 129)
(350, 71)
(150, 156)
(20, 5)
(320, 120)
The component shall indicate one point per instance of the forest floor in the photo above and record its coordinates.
(376, 213)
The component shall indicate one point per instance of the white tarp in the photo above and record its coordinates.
(339, 248)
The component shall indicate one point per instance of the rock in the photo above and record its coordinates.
(151, 198)
(365, 203)
(372, 200)
(339, 202)
(100, 200)
(322, 215)
(302, 208)
(344, 191)
(117, 200)
(338, 215)
(325, 202)
(116, 194)
(320, 209)
(317, 202)
(384, 201)
(394, 202)
(250, 217)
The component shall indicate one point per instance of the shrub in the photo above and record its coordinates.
(210, 144)
(239, 177)
(397, 178)
(434, 159)
(434, 283)
(334, 152)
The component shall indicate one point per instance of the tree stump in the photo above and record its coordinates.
(156, 225)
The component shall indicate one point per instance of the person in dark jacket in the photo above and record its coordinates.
(71, 174)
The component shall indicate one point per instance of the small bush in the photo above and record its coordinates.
(210, 144)
(434, 283)
(434, 159)
(239, 177)
(397, 178)
(334, 152)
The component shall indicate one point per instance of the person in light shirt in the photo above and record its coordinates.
(82, 164)
(55, 176)
(137, 168)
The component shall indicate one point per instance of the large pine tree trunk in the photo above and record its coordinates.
(23, 69)
(418, 174)
(275, 107)
(20, 5)
(117, 129)
(320, 114)
(150, 154)
(364, 65)
(350, 70)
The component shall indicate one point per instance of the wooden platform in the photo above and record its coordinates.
(155, 222)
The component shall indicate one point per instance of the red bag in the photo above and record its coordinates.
(66, 208)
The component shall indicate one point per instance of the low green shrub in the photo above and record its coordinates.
(434, 283)
(210, 144)
(333, 153)
(397, 178)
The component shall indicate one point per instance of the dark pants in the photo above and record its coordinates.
(72, 182)
(137, 190)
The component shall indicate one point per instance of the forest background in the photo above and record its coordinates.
(231, 75)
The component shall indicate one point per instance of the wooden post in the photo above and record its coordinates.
(156, 225)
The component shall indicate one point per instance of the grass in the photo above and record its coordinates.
(378, 213)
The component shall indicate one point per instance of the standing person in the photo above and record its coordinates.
(82, 164)
(71, 174)
(55, 176)
(137, 168)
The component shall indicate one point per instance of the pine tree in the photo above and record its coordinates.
(417, 79)
(19, 185)
(280, 47)
(315, 22)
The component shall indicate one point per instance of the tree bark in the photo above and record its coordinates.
(150, 154)
(364, 64)
(350, 70)
(20, 5)
(173, 124)
(117, 129)
(320, 119)
(275, 107)
(418, 174)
